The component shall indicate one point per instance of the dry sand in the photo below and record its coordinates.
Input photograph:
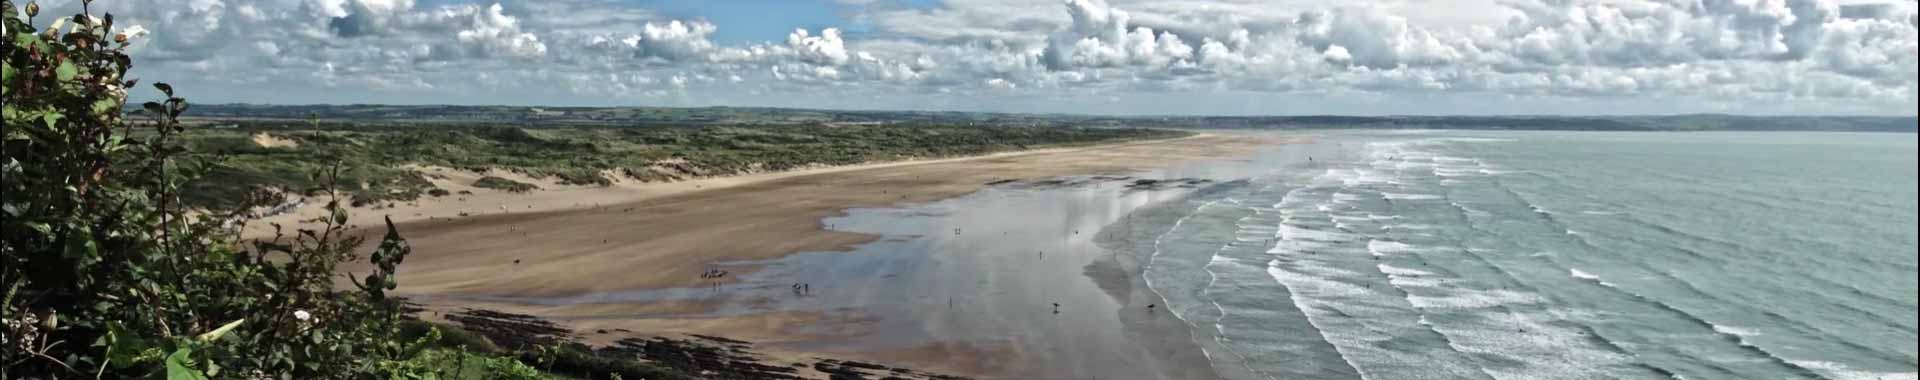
(575, 240)
(563, 241)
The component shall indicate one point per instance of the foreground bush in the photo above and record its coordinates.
(108, 276)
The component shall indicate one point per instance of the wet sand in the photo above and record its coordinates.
(631, 258)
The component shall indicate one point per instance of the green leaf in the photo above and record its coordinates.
(66, 71)
(216, 333)
(6, 72)
(80, 247)
(180, 366)
(52, 119)
(124, 348)
(164, 88)
(106, 106)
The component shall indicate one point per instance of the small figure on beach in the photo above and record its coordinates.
(796, 288)
(516, 261)
(1150, 308)
(1056, 308)
(806, 288)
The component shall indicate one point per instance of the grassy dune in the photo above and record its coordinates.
(375, 160)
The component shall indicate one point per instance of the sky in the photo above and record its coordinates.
(1123, 57)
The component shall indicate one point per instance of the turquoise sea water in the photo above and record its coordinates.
(1390, 255)
(1523, 255)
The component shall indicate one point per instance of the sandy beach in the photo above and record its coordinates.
(509, 252)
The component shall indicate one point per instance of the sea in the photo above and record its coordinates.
(1390, 255)
(1549, 255)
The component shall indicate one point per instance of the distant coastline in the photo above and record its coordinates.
(251, 114)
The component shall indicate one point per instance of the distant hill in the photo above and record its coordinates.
(664, 116)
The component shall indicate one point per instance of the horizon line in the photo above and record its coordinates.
(1071, 114)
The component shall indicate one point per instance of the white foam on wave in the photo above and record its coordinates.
(1384, 247)
(1475, 139)
(1580, 274)
(1474, 299)
(1531, 338)
(1410, 197)
(1364, 177)
(1469, 210)
(1391, 270)
(1350, 217)
(1734, 330)
(1544, 349)
(1298, 285)
(1308, 277)
(1601, 213)
(1339, 197)
(1400, 164)
(1839, 371)
(1411, 226)
(1412, 282)
(1292, 233)
(1407, 278)
(1358, 176)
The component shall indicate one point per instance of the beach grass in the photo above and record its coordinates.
(377, 162)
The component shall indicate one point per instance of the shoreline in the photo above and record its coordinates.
(665, 238)
(551, 196)
(1123, 275)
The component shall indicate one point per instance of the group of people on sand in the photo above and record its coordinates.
(713, 273)
(802, 288)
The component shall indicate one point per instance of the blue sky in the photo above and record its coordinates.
(1239, 57)
(750, 21)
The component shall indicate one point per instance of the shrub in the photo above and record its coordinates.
(578, 360)
(448, 336)
(444, 364)
(107, 275)
(508, 185)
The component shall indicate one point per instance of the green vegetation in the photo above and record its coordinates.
(503, 184)
(374, 159)
(243, 114)
(453, 364)
(108, 275)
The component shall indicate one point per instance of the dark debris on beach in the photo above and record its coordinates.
(711, 357)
